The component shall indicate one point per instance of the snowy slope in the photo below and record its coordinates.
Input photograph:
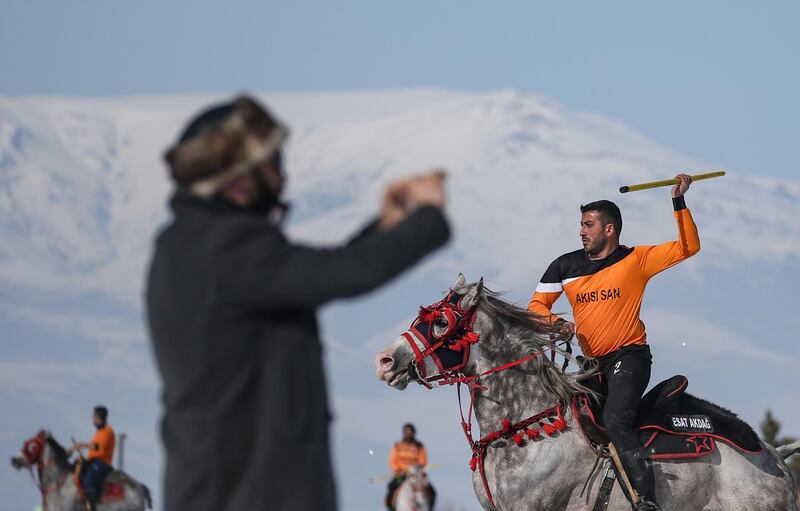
(83, 189)
(83, 184)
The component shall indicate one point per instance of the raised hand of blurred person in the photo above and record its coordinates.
(405, 195)
(393, 206)
(427, 189)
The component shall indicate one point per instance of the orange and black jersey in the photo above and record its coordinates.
(406, 454)
(103, 444)
(606, 294)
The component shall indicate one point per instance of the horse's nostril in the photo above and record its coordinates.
(387, 361)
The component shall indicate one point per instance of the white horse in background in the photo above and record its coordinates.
(413, 495)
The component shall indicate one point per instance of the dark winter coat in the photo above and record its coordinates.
(232, 310)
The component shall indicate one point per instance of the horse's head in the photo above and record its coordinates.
(416, 474)
(471, 334)
(32, 451)
(438, 341)
(420, 498)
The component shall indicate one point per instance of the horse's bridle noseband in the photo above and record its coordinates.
(449, 348)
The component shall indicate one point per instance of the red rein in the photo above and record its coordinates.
(459, 336)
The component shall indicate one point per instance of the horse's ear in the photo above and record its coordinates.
(473, 295)
(460, 282)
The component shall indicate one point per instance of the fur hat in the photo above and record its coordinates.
(222, 143)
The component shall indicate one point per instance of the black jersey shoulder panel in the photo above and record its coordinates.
(577, 264)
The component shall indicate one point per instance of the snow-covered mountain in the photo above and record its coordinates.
(83, 189)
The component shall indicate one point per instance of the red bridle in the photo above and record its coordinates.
(33, 449)
(445, 330)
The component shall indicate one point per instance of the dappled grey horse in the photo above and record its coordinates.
(533, 454)
(412, 494)
(53, 475)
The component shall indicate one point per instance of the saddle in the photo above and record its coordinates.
(671, 423)
(112, 487)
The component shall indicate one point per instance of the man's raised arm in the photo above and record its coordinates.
(655, 259)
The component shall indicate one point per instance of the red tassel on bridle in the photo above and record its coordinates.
(465, 342)
(426, 315)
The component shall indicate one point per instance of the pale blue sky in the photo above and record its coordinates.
(717, 80)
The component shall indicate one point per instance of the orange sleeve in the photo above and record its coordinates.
(422, 456)
(394, 463)
(655, 259)
(541, 304)
(548, 290)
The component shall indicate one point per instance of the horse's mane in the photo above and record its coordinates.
(531, 333)
(61, 454)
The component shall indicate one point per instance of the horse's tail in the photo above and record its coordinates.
(147, 496)
(787, 450)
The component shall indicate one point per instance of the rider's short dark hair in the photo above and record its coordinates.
(409, 425)
(101, 411)
(609, 213)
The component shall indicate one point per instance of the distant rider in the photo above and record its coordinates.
(605, 284)
(406, 453)
(99, 458)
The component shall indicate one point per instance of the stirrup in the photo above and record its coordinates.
(646, 505)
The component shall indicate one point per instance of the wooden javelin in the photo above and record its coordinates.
(386, 477)
(668, 182)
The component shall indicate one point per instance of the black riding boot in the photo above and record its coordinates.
(640, 474)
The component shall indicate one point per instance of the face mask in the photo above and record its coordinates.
(100, 425)
(267, 203)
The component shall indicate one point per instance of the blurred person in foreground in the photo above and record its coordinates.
(231, 304)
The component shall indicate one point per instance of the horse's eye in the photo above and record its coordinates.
(440, 323)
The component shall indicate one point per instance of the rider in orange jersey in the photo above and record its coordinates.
(605, 282)
(405, 454)
(100, 456)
